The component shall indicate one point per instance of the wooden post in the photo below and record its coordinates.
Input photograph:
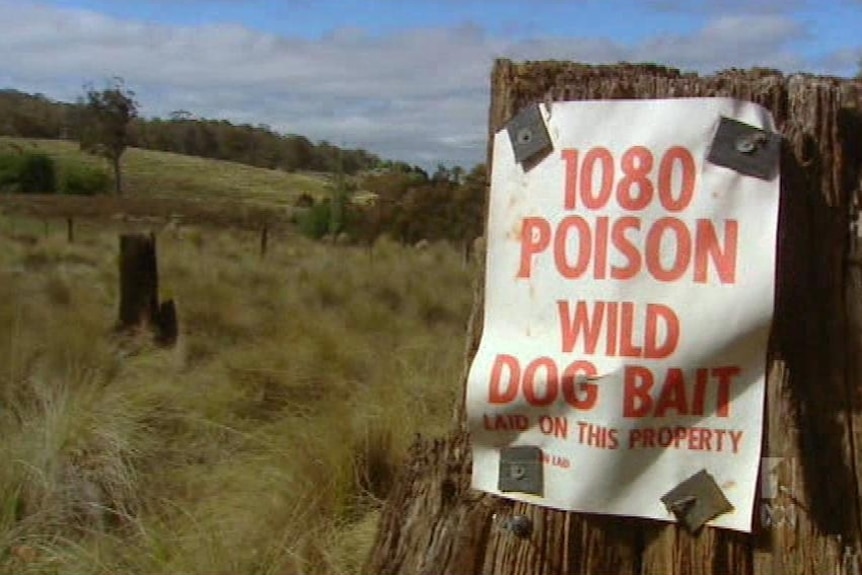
(70, 230)
(139, 290)
(167, 328)
(434, 523)
(264, 239)
(139, 281)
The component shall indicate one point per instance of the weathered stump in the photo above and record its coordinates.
(264, 239)
(434, 523)
(167, 328)
(139, 290)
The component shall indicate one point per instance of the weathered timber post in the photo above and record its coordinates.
(139, 290)
(139, 281)
(70, 230)
(167, 328)
(434, 523)
(264, 239)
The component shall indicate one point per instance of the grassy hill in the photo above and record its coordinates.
(164, 175)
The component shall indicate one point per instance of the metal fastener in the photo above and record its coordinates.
(529, 135)
(748, 143)
(519, 526)
(746, 149)
(517, 471)
(696, 500)
(521, 470)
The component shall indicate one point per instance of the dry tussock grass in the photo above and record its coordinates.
(263, 443)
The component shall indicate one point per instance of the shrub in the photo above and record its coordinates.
(305, 200)
(37, 174)
(314, 222)
(30, 173)
(10, 170)
(79, 180)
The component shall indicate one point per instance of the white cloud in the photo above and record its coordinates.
(419, 95)
(737, 41)
(729, 6)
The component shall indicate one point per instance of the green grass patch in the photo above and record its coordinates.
(148, 173)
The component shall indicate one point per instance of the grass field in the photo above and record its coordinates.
(153, 174)
(264, 442)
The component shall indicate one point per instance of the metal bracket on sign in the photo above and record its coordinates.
(696, 500)
(521, 470)
(746, 149)
(529, 135)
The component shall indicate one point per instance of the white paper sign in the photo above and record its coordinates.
(628, 302)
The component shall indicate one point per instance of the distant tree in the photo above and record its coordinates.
(441, 174)
(107, 115)
(31, 116)
(457, 174)
(180, 115)
(34, 116)
(298, 151)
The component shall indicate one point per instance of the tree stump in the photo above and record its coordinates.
(167, 328)
(139, 290)
(264, 239)
(434, 523)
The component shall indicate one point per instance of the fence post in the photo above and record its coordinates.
(264, 239)
(434, 523)
(139, 290)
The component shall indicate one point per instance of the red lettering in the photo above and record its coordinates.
(672, 394)
(649, 437)
(706, 439)
(611, 326)
(601, 256)
(627, 328)
(583, 325)
(541, 383)
(626, 248)
(668, 249)
(677, 163)
(638, 381)
(589, 392)
(570, 156)
(665, 177)
(606, 160)
(698, 402)
(613, 438)
(707, 246)
(680, 437)
(654, 251)
(561, 240)
(725, 377)
(550, 380)
(496, 393)
(535, 238)
(652, 349)
(637, 164)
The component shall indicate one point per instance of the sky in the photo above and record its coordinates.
(405, 79)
